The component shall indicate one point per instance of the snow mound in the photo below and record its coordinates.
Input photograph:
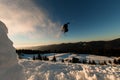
(41, 70)
(9, 67)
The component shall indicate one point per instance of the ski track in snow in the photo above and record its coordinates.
(44, 70)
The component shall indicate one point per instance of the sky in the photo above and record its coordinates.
(39, 22)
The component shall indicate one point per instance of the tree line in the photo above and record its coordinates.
(94, 51)
(77, 60)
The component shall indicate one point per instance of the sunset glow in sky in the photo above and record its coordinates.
(38, 22)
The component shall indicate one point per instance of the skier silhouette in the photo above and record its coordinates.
(65, 27)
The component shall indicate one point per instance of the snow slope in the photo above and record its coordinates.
(41, 70)
(9, 67)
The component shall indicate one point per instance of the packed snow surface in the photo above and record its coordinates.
(47, 70)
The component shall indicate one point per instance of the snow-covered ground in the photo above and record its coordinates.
(41, 70)
(47, 70)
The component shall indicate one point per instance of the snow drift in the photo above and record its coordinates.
(9, 67)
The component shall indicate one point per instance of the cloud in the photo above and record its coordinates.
(23, 17)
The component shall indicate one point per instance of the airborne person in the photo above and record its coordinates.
(65, 27)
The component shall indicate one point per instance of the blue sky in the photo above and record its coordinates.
(89, 20)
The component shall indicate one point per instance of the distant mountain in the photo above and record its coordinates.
(80, 45)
